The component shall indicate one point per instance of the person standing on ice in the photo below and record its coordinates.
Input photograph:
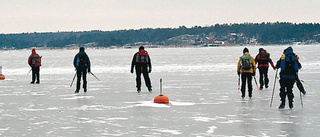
(81, 62)
(298, 81)
(263, 59)
(247, 68)
(142, 63)
(289, 66)
(34, 62)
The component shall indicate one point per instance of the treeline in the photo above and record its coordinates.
(263, 33)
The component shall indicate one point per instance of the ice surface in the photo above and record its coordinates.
(201, 84)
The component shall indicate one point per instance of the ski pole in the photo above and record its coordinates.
(29, 71)
(274, 85)
(255, 80)
(73, 79)
(94, 76)
(301, 100)
(309, 85)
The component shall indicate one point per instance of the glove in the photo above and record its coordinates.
(149, 70)
(89, 70)
(254, 74)
(238, 72)
(131, 70)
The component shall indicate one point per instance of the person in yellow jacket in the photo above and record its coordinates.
(247, 68)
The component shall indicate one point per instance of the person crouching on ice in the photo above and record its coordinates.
(34, 62)
(142, 63)
(82, 64)
(289, 66)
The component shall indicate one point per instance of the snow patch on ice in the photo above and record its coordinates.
(282, 122)
(204, 119)
(181, 103)
(151, 104)
(4, 129)
(174, 132)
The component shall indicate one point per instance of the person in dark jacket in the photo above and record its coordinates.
(142, 63)
(34, 62)
(81, 62)
(289, 68)
(246, 66)
(298, 81)
(263, 59)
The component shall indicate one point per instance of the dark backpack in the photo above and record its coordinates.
(82, 60)
(245, 62)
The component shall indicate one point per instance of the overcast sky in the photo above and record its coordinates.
(17, 16)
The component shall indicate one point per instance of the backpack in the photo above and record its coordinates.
(142, 58)
(289, 65)
(36, 60)
(245, 62)
(82, 60)
(263, 55)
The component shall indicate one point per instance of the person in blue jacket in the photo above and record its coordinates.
(289, 68)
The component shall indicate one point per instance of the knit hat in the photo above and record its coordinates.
(81, 49)
(141, 48)
(33, 51)
(261, 49)
(245, 50)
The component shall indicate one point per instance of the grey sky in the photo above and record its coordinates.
(17, 16)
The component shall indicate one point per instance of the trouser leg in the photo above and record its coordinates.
(78, 79)
(147, 79)
(266, 79)
(261, 77)
(37, 74)
(33, 77)
(84, 78)
(243, 85)
(249, 77)
(138, 76)
(282, 93)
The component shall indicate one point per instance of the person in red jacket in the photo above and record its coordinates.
(263, 59)
(34, 62)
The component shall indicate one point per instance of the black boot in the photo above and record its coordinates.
(290, 104)
(282, 105)
(138, 89)
(150, 89)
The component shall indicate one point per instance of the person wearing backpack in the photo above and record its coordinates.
(142, 63)
(246, 66)
(263, 59)
(34, 62)
(81, 62)
(289, 66)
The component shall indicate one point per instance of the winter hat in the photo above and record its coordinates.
(261, 49)
(141, 48)
(289, 48)
(245, 50)
(81, 49)
(33, 51)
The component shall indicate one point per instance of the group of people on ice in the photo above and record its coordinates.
(141, 62)
(289, 66)
(246, 70)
